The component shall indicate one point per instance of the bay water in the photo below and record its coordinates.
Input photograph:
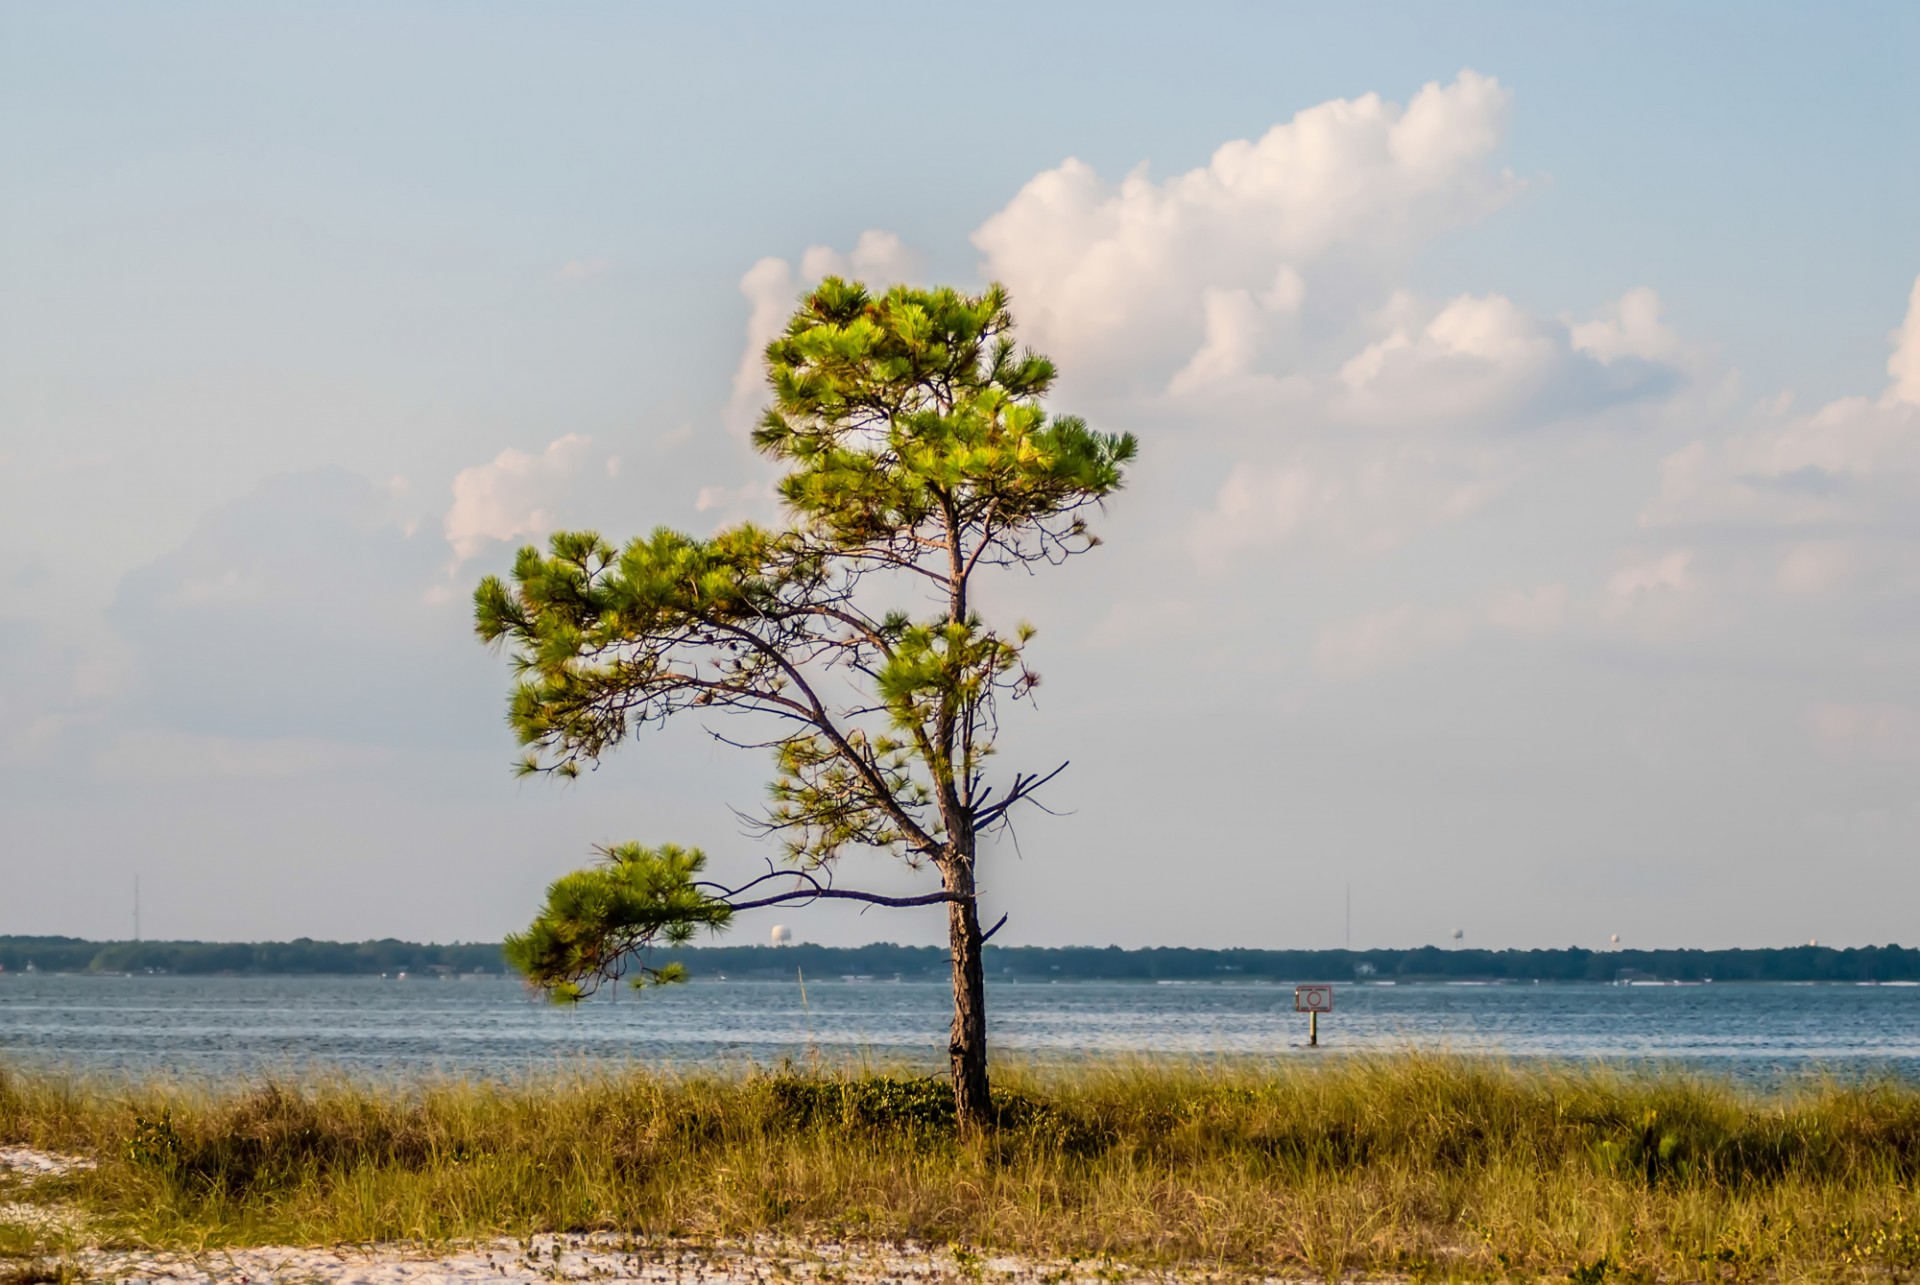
(490, 1027)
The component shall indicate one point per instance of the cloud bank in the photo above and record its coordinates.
(1550, 581)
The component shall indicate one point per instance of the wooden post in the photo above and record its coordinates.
(1313, 1000)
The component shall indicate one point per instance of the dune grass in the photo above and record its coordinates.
(1433, 1167)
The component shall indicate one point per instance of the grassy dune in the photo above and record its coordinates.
(1435, 1167)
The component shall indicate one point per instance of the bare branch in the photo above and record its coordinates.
(813, 888)
(1024, 786)
(804, 895)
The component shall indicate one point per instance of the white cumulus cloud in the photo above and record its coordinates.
(1365, 499)
(515, 494)
(1425, 423)
(1256, 301)
(1849, 467)
(1127, 277)
(1481, 361)
(1903, 367)
(772, 286)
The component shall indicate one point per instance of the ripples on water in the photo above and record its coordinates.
(222, 1026)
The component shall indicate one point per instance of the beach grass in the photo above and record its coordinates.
(1431, 1167)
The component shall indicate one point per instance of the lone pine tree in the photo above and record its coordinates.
(917, 455)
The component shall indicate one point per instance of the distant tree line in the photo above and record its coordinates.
(1003, 963)
(274, 958)
(1111, 963)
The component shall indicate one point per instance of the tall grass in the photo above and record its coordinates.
(1426, 1165)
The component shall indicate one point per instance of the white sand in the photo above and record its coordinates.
(602, 1259)
(22, 1167)
(610, 1260)
(30, 1164)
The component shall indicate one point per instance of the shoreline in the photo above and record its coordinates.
(883, 961)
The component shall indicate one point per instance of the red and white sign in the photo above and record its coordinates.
(1317, 998)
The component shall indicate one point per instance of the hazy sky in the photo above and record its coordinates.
(1526, 531)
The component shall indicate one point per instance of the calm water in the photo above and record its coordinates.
(490, 1027)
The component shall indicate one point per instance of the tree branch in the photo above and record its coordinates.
(873, 898)
(1023, 787)
(876, 785)
(814, 889)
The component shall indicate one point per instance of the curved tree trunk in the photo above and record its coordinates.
(973, 1106)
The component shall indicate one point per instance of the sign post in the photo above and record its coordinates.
(1313, 999)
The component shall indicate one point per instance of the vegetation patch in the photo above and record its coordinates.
(1426, 1167)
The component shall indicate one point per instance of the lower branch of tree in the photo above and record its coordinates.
(812, 888)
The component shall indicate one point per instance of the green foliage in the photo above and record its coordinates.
(885, 1102)
(916, 451)
(606, 641)
(1891, 1245)
(1654, 1152)
(596, 920)
(155, 1143)
(1594, 1273)
(910, 421)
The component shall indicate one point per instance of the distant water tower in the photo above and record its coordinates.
(1459, 935)
(782, 935)
(1615, 939)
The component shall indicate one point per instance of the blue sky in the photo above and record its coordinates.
(1542, 514)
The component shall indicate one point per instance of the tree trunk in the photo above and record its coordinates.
(973, 1107)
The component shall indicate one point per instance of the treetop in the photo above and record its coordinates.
(911, 422)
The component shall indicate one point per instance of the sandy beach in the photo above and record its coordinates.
(597, 1258)
(614, 1259)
